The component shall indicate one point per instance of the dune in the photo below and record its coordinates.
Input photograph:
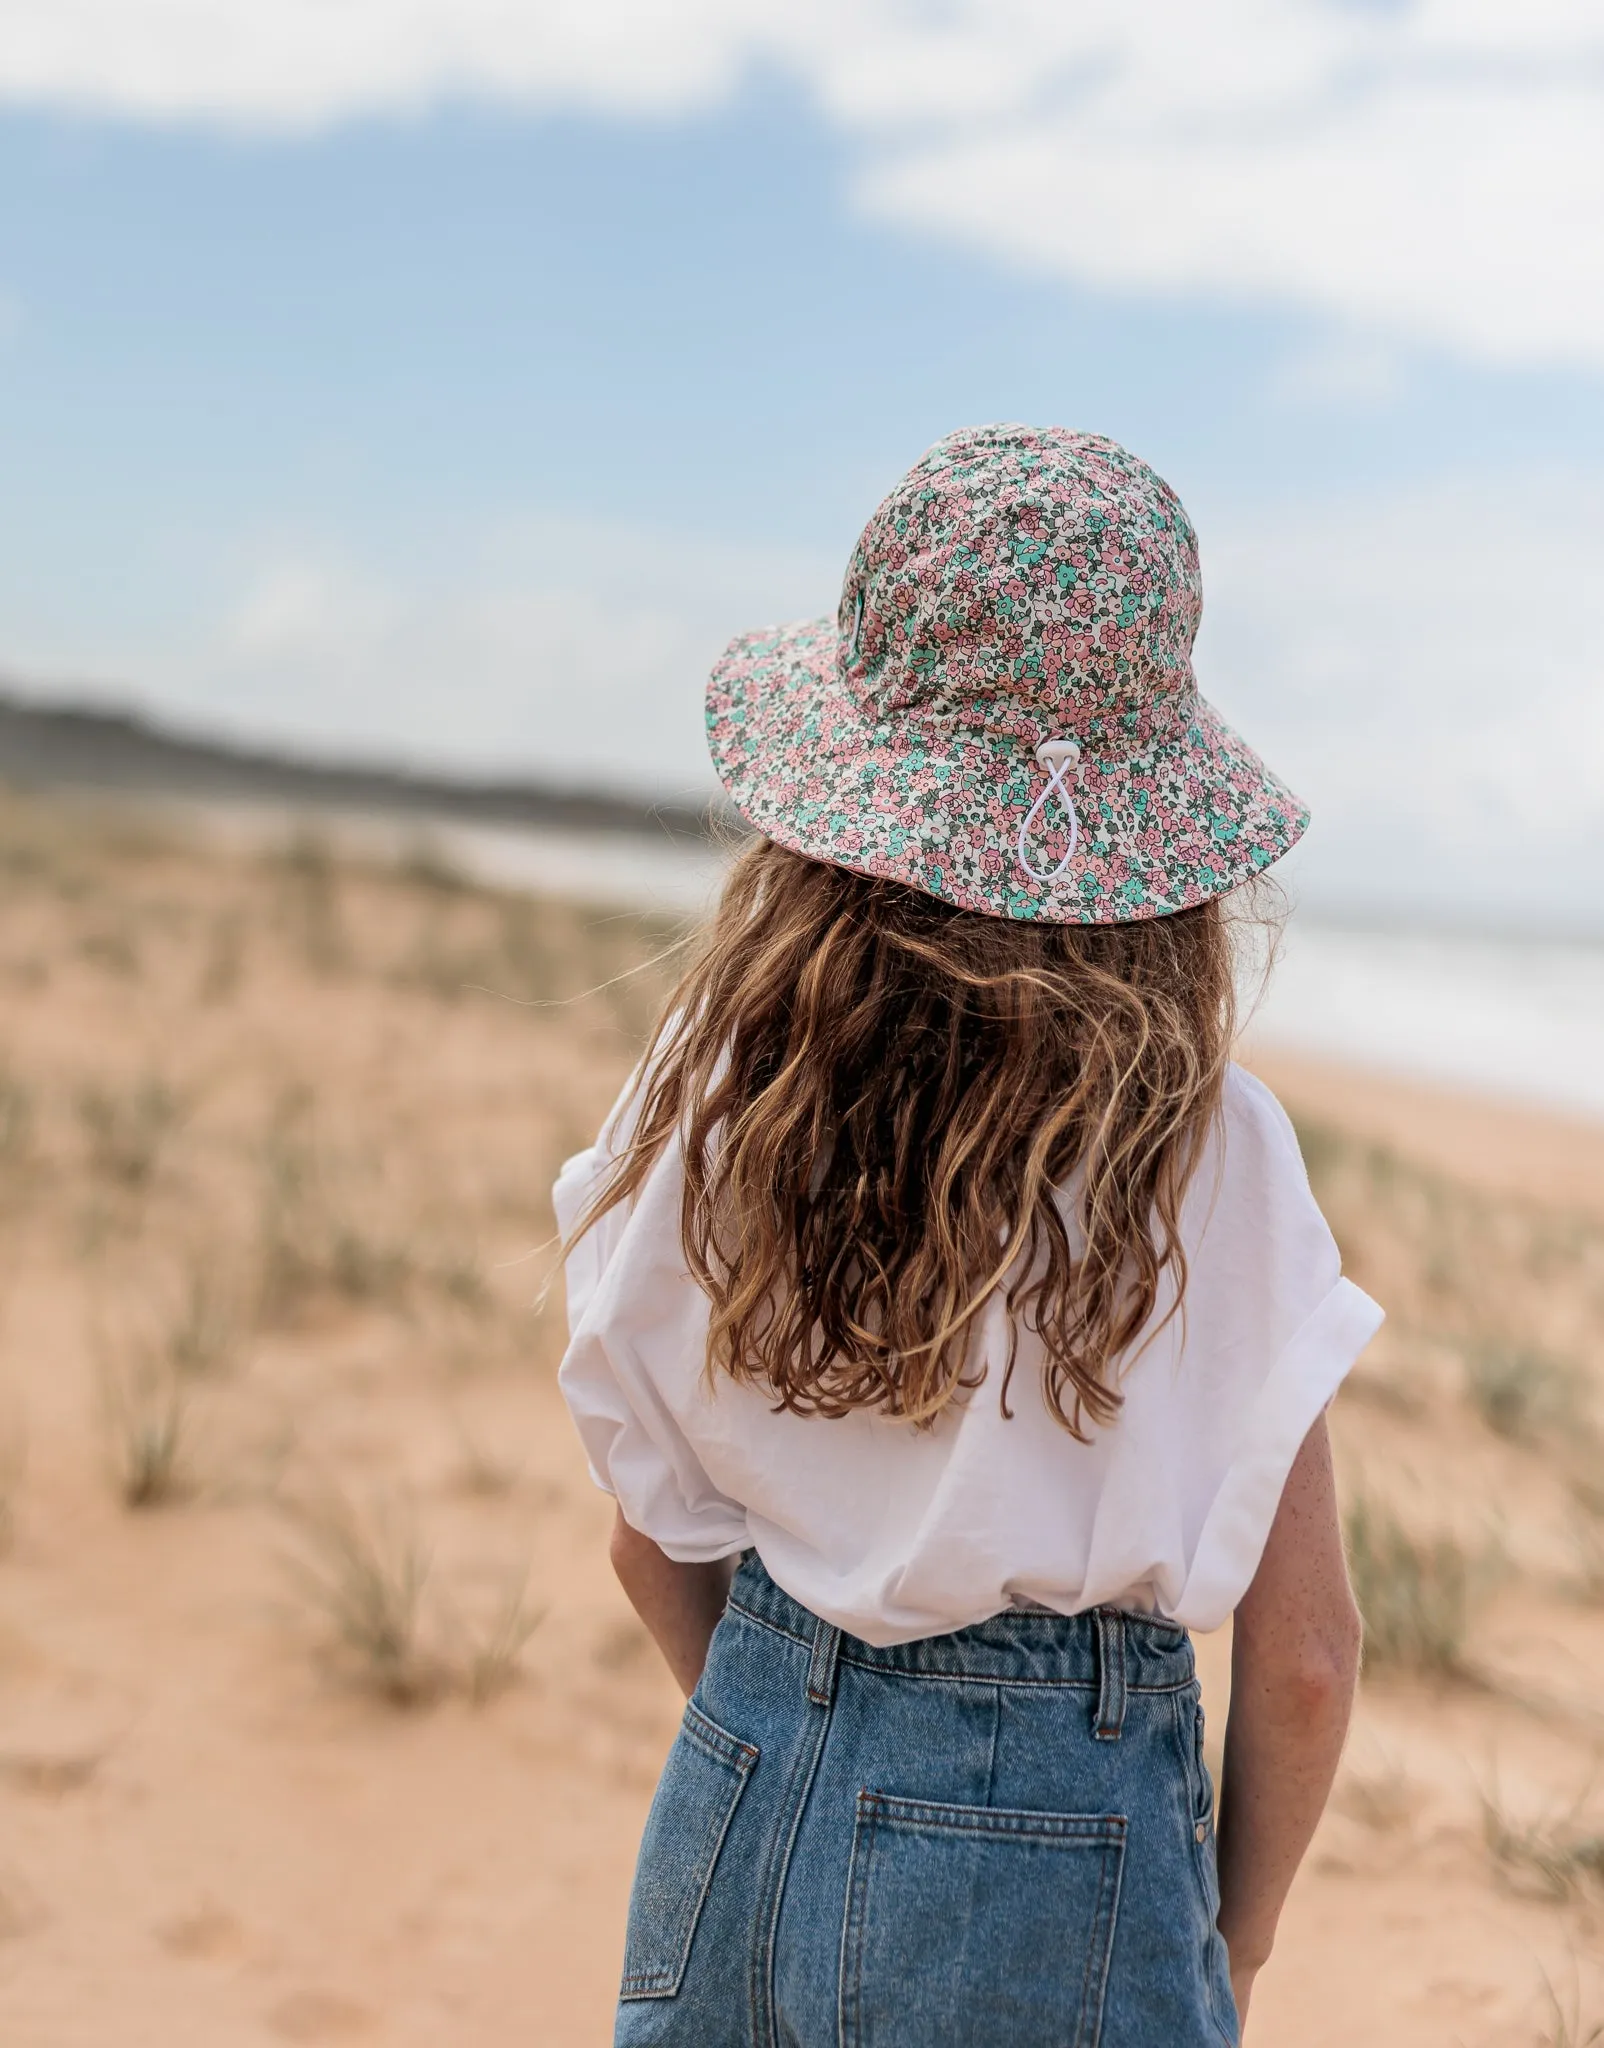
(321, 1719)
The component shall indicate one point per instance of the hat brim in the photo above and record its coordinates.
(938, 804)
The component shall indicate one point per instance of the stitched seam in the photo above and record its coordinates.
(1074, 1830)
(762, 1621)
(823, 1659)
(666, 1982)
(1091, 2008)
(798, 1786)
(715, 1743)
(952, 1677)
(990, 1678)
(849, 2021)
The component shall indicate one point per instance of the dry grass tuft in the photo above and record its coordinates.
(146, 1412)
(1549, 1857)
(223, 965)
(1522, 1393)
(206, 1336)
(111, 948)
(368, 1576)
(16, 1119)
(425, 864)
(480, 1471)
(365, 1575)
(127, 1129)
(308, 1242)
(309, 874)
(322, 1232)
(1383, 1799)
(1415, 1596)
(1566, 2026)
(493, 1661)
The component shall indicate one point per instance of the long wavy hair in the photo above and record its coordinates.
(882, 1102)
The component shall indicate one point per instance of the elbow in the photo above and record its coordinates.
(1322, 1675)
(1309, 1664)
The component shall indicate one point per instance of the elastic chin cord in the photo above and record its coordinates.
(1060, 758)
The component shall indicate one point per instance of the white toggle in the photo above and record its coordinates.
(1059, 758)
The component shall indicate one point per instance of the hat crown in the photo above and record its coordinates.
(1030, 580)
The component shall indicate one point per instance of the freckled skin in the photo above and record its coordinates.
(1294, 1662)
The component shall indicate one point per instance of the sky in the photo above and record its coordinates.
(448, 382)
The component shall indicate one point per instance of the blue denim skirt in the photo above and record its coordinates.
(999, 1838)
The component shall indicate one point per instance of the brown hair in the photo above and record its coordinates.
(877, 1095)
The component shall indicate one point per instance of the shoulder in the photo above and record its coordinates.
(1250, 1197)
(1251, 1177)
(1253, 1122)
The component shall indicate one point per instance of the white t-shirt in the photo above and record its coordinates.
(892, 1532)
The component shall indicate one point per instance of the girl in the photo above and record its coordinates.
(953, 1322)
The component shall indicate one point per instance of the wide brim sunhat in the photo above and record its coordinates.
(1003, 711)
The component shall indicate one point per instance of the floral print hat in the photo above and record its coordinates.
(1002, 713)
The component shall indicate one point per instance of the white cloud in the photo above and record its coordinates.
(1427, 670)
(300, 63)
(1460, 214)
(1433, 171)
(1353, 371)
(299, 607)
(562, 648)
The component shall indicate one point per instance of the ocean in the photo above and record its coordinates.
(1514, 1017)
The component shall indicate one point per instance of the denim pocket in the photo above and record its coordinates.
(977, 1923)
(701, 1785)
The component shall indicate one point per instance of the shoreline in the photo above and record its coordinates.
(1496, 1143)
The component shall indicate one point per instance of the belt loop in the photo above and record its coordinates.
(1110, 1674)
(821, 1665)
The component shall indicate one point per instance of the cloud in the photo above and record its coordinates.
(1432, 171)
(1353, 372)
(1427, 669)
(304, 63)
(1454, 213)
(535, 653)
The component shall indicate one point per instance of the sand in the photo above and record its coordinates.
(344, 1733)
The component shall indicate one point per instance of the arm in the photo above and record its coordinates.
(679, 1603)
(1294, 1661)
